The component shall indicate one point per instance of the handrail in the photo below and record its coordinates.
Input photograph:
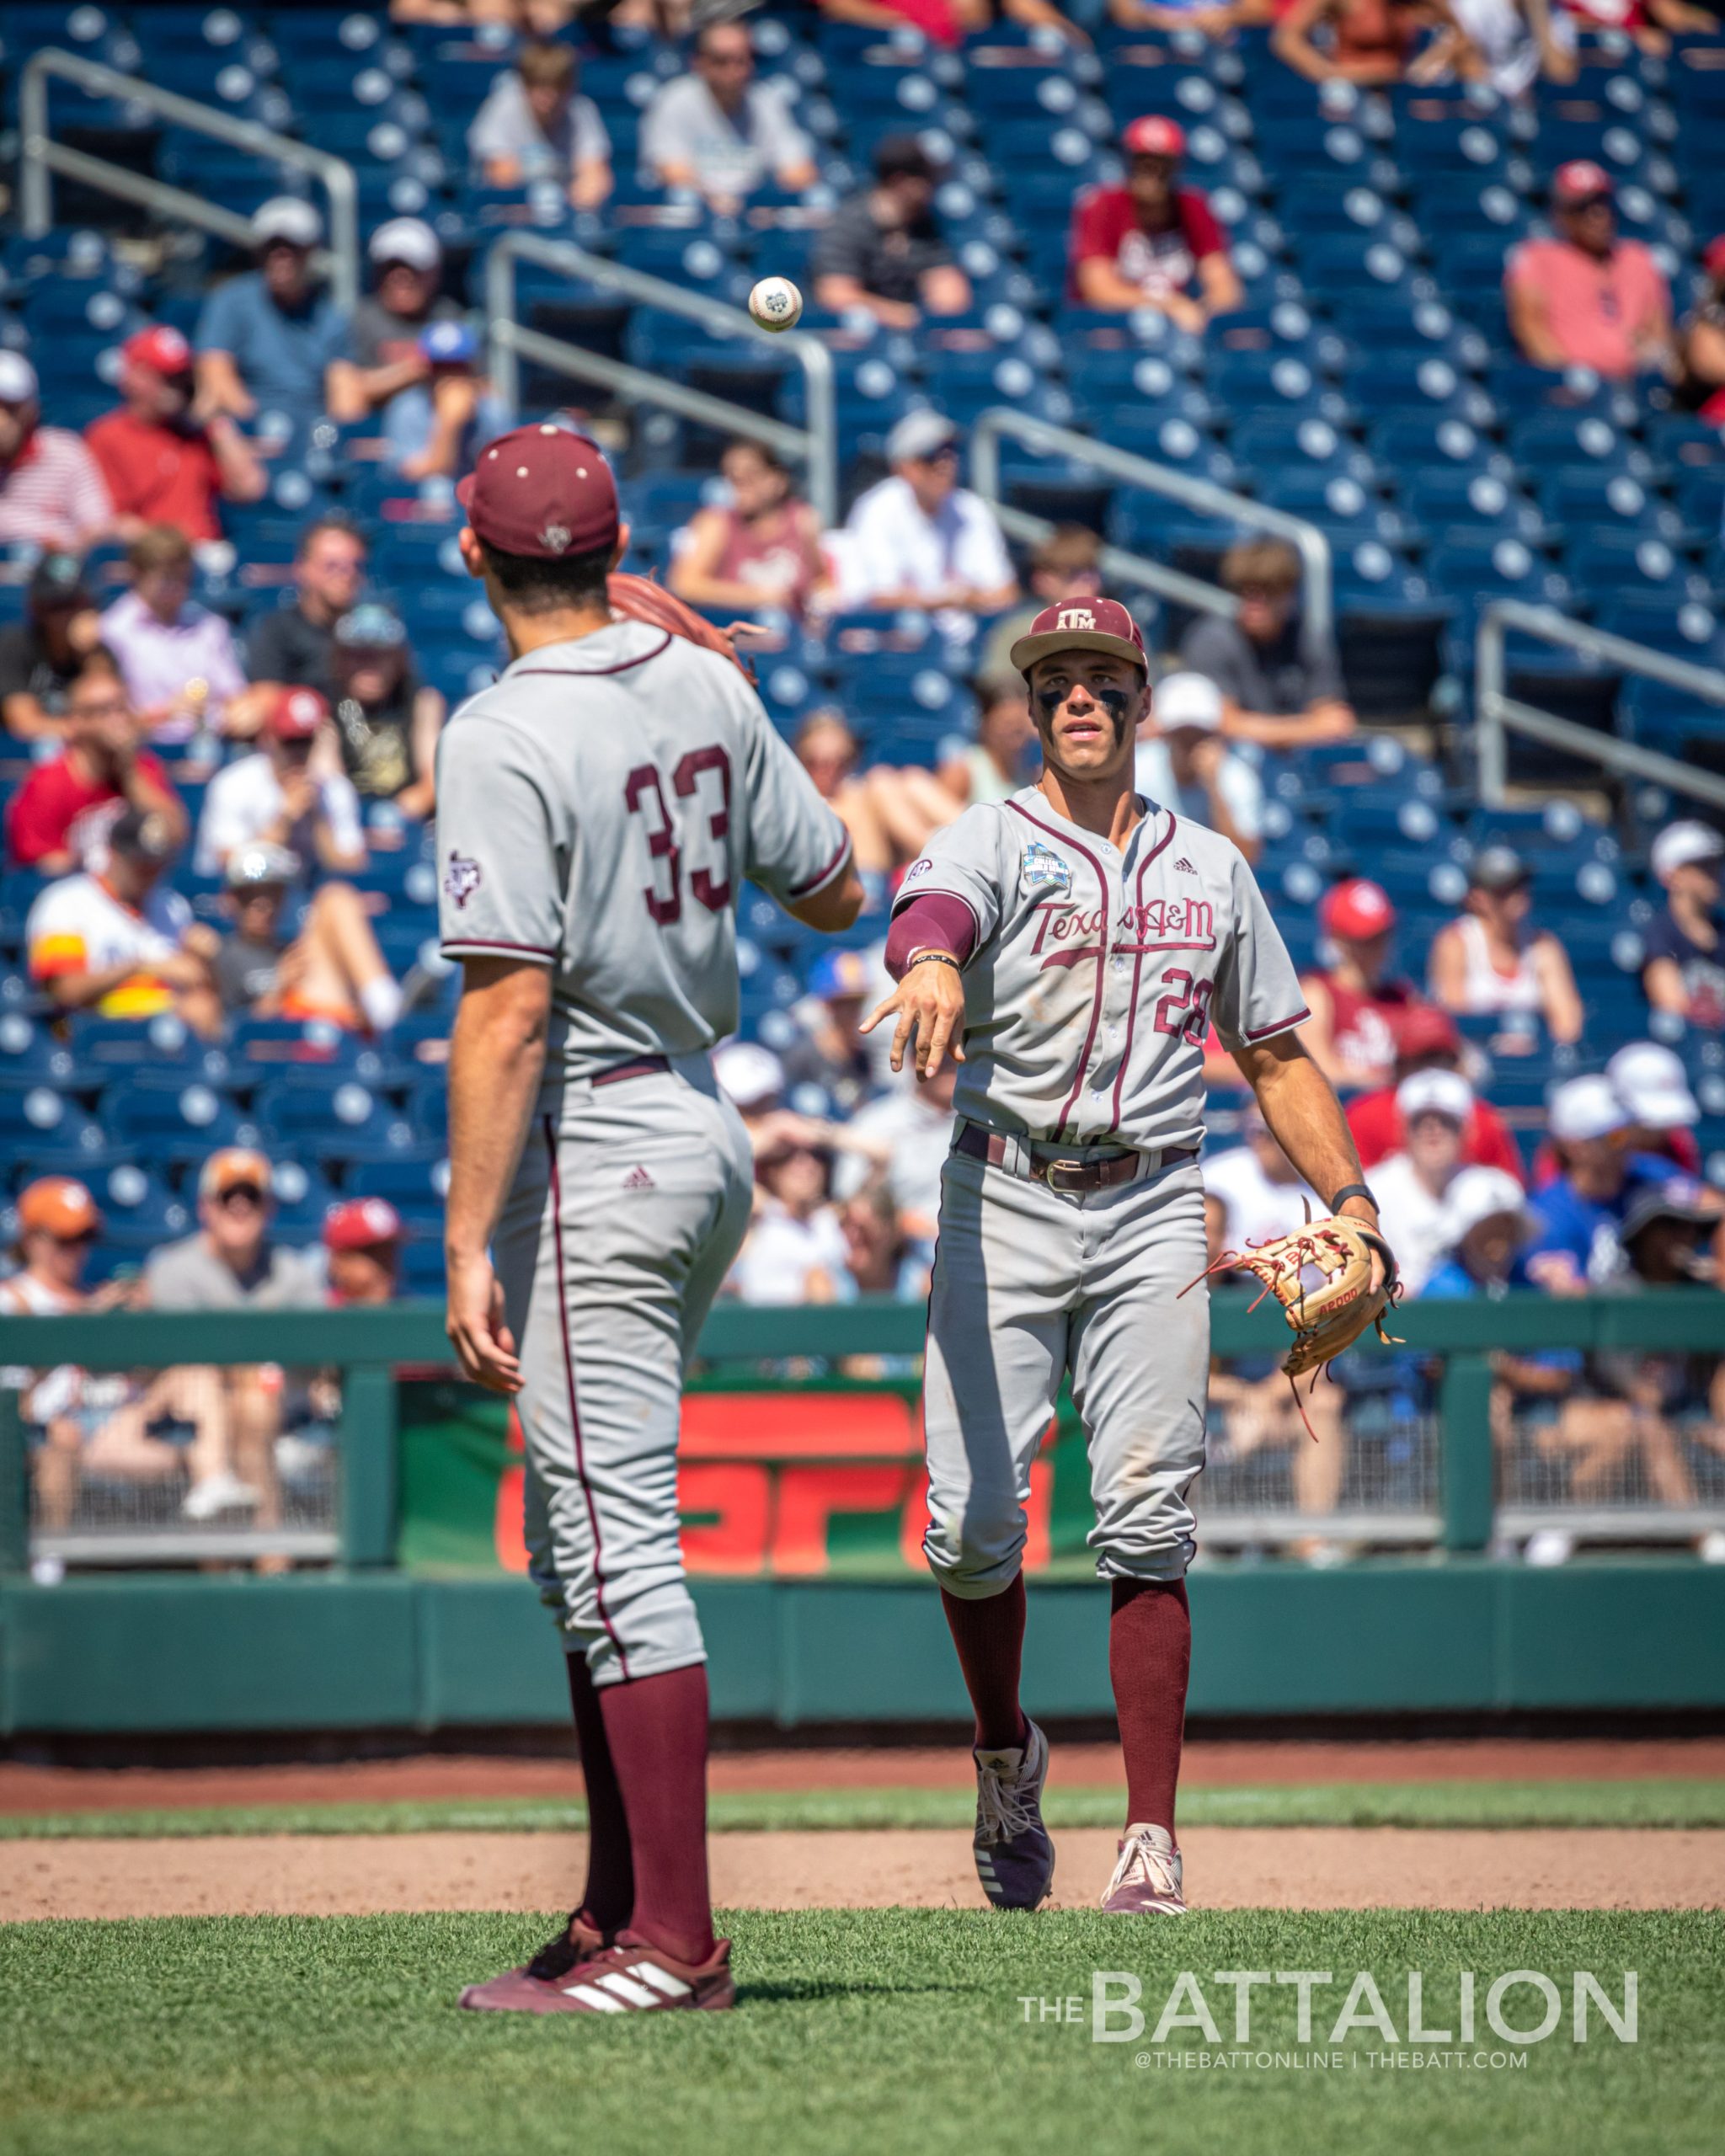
(39, 153)
(1497, 713)
(816, 444)
(1201, 494)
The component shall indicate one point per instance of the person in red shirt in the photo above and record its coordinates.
(1357, 1007)
(1427, 1040)
(1145, 244)
(59, 815)
(164, 463)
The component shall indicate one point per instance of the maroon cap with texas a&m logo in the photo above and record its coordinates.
(542, 491)
(1081, 625)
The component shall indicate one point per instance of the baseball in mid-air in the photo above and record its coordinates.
(776, 303)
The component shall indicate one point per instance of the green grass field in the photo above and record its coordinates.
(867, 2031)
(1650, 1803)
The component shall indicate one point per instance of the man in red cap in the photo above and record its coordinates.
(1426, 1039)
(1146, 244)
(165, 460)
(598, 808)
(1585, 297)
(277, 797)
(1358, 1007)
(363, 1239)
(1069, 948)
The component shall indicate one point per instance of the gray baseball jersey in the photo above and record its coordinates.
(597, 809)
(1097, 972)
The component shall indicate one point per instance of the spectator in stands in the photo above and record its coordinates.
(40, 655)
(1066, 565)
(1426, 1039)
(1003, 758)
(1183, 762)
(1580, 1213)
(435, 429)
(881, 1259)
(1684, 969)
(829, 1050)
(535, 127)
(387, 719)
(1700, 343)
(830, 753)
(384, 356)
(327, 966)
(1490, 960)
(795, 1249)
(1357, 1005)
(294, 647)
(1652, 23)
(1151, 242)
(717, 132)
(1508, 43)
(1214, 21)
(1281, 683)
(1486, 1227)
(1412, 1187)
(165, 462)
(59, 818)
(267, 339)
(919, 539)
(883, 252)
(179, 658)
(1363, 42)
(278, 796)
(760, 548)
(52, 492)
(906, 1135)
(112, 939)
(1653, 1086)
(1252, 1193)
(362, 1241)
(1587, 297)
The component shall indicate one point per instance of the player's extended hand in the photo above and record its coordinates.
(929, 1002)
(483, 1342)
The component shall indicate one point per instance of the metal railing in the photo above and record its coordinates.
(1498, 714)
(815, 446)
(1200, 494)
(40, 155)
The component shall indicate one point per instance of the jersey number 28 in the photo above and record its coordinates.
(1186, 1011)
(643, 794)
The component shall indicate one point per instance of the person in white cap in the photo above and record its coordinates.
(1579, 1245)
(52, 494)
(266, 338)
(383, 355)
(921, 540)
(1412, 1186)
(1183, 762)
(1684, 969)
(1487, 1226)
(1653, 1086)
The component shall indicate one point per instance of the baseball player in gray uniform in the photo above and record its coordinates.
(1071, 946)
(598, 808)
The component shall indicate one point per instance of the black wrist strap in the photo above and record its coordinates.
(936, 958)
(1352, 1190)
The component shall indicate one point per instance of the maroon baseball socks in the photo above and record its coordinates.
(609, 1895)
(989, 1636)
(656, 1729)
(1150, 1657)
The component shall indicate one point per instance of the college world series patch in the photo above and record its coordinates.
(1043, 870)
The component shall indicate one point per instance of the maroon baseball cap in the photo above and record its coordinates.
(1154, 136)
(1713, 260)
(161, 348)
(296, 714)
(361, 1224)
(542, 491)
(1581, 180)
(1081, 625)
(1425, 1030)
(1356, 910)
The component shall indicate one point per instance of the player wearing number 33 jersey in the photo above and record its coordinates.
(599, 808)
(1076, 942)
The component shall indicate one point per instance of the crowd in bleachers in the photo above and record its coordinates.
(1440, 278)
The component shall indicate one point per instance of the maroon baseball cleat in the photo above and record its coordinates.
(532, 1987)
(628, 1977)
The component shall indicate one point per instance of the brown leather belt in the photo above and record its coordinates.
(639, 1067)
(1101, 1173)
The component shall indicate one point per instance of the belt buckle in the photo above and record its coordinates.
(1050, 1170)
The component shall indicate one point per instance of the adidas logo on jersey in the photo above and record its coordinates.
(638, 1179)
(1184, 866)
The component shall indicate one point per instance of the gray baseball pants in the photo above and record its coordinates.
(632, 1200)
(1031, 1283)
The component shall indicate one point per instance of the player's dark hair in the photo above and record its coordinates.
(538, 586)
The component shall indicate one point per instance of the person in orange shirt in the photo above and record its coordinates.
(1586, 297)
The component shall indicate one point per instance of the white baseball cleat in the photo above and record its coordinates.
(1015, 1859)
(1147, 1879)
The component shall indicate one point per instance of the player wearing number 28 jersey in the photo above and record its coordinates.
(599, 808)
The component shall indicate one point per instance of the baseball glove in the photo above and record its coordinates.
(1322, 1277)
(643, 600)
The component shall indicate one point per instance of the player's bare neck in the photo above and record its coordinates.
(526, 633)
(1108, 806)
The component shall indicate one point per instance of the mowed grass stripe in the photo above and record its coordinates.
(875, 2032)
(1651, 1803)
